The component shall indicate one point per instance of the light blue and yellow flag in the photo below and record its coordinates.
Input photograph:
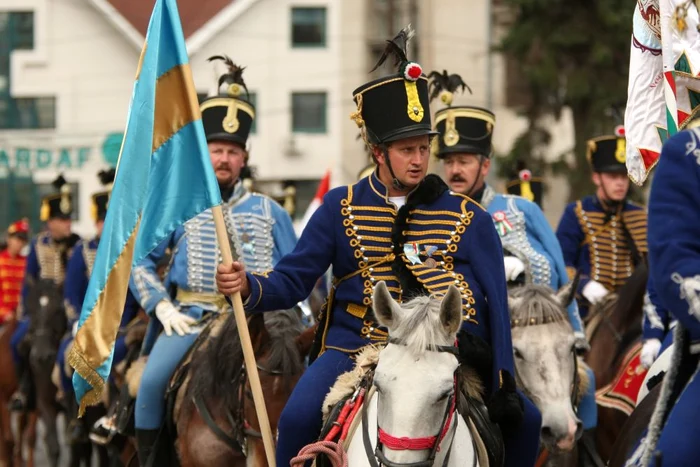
(164, 177)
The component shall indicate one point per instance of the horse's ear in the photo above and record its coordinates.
(305, 340)
(567, 293)
(258, 332)
(386, 310)
(451, 310)
(514, 303)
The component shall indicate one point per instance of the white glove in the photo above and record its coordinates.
(650, 350)
(75, 328)
(594, 292)
(514, 267)
(171, 319)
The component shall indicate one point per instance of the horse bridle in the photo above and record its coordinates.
(419, 444)
(239, 424)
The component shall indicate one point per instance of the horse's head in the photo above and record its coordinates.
(280, 345)
(48, 321)
(545, 359)
(415, 375)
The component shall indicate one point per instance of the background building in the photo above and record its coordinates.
(67, 69)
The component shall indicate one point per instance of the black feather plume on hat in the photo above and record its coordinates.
(106, 176)
(397, 47)
(440, 82)
(234, 74)
(59, 182)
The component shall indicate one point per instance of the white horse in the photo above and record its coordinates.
(413, 408)
(546, 366)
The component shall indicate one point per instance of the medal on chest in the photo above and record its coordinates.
(503, 225)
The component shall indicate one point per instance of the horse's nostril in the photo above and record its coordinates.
(547, 432)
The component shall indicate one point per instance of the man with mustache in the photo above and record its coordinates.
(260, 232)
(47, 259)
(403, 227)
(530, 246)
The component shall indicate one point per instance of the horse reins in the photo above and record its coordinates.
(414, 444)
(239, 424)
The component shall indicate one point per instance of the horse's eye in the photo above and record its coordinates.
(445, 395)
(517, 354)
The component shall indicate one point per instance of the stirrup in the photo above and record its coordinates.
(103, 430)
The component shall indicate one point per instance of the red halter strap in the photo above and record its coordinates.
(419, 444)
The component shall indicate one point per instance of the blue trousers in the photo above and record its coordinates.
(678, 441)
(301, 419)
(162, 363)
(17, 336)
(587, 408)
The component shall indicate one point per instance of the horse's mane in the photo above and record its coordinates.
(535, 305)
(284, 356)
(217, 367)
(419, 327)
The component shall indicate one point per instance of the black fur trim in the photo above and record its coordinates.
(429, 190)
(475, 353)
(505, 406)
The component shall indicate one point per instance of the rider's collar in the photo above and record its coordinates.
(234, 193)
(380, 189)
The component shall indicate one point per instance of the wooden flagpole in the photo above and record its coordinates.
(246, 344)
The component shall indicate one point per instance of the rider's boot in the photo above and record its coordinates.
(588, 454)
(146, 444)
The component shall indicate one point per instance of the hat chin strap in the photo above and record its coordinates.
(395, 182)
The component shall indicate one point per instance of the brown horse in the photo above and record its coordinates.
(216, 422)
(634, 428)
(11, 448)
(613, 327)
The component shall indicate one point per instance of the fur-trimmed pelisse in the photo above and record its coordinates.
(366, 359)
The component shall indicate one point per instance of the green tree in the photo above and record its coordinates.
(575, 54)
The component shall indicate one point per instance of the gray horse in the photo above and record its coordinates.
(546, 366)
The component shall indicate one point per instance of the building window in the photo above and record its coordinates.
(309, 112)
(308, 27)
(21, 197)
(17, 33)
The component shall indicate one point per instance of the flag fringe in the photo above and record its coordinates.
(83, 368)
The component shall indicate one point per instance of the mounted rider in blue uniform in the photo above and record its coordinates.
(674, 260)
(604, 236)
(48, 256)
(530, 246)
(407, 229)
(78, 271)
(261, 233)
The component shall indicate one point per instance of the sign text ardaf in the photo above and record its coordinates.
(39, 158)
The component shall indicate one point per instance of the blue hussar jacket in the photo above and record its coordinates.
(446, 240)
(526, 234)
(657, 320)
(674, 242)
(599, 245)
(47, 259)
(261, 233)
(78, 273)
